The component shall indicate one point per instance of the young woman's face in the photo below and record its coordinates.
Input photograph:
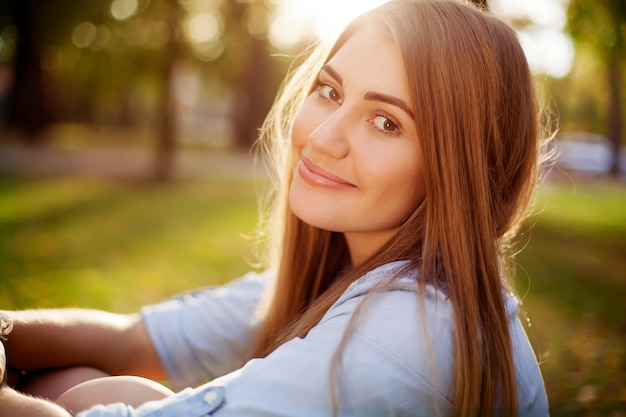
(358, 166)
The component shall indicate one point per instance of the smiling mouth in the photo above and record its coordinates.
(319, 177)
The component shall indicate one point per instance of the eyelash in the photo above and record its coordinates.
(320, 85)
(397, 130)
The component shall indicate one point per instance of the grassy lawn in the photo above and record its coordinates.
(121, 245)
(574, 270)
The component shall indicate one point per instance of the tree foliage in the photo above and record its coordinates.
(122, 62)
(601, 26)
(598, 28)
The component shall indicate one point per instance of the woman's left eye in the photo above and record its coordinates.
(329, 93)
(385, 124)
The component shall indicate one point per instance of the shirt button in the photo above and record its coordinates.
(210, 397)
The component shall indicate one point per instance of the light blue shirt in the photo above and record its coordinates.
(398, 361)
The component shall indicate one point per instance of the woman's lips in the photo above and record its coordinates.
(317, 176)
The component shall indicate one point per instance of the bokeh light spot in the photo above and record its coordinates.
(84, 34)
(203, 27)
(123, 9)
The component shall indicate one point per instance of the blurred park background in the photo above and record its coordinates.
(126, 172)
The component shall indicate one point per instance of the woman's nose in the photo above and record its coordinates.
(330, 136)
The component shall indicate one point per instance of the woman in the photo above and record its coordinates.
(406, 159)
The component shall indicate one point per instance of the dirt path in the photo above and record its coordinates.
(123, 163)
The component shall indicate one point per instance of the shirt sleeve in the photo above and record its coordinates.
(204, 334)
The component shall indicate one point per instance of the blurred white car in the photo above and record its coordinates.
(585, 151)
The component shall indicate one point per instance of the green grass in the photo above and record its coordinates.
(574, 270)
(117, 246)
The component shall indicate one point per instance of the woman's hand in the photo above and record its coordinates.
(6, 325)
(3, 364)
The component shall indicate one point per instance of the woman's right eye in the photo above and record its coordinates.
(328, 93)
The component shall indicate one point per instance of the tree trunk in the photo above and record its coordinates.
(29, 112)
(615, 116)
(254, 99)
(255, 79)
(165, 149)
(166, 137)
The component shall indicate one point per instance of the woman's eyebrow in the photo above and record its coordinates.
(394, 101)
(333, 73)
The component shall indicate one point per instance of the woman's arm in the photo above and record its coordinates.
(15, 404)
(61, 338)
(202, 334)
(133, 391)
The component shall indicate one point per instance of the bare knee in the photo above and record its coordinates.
(52, 384)
(131, 390)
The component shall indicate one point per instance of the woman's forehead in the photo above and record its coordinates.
(371, 58)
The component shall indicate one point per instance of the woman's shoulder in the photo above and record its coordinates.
(393, 288)
(400, 281)
(412, 331)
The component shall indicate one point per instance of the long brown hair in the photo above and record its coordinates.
(477, 121)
